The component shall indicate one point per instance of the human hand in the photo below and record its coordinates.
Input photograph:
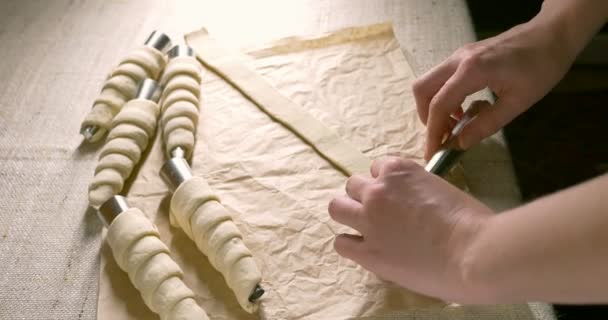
(415, 228)
(520, 66)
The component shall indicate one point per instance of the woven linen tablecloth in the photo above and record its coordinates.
(56, 55)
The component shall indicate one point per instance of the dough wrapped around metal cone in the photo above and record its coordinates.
(132, 129)
(181, 81)
(197, 210)
(138, 250)
(143, 62)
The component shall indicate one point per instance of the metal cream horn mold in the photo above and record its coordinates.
(175, 172)
(156, 40)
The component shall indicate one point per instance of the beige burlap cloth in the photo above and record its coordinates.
(357, 82)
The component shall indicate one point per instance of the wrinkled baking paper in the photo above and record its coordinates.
(355, 81)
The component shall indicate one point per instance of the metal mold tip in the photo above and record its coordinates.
(148, 89)
(89, 131)
(158, 41)
(256, 294)
(178, 152)
(175, 171)
(114, 206)
(180, 50)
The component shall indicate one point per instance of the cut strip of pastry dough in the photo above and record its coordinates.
(181, 83)
(325, 141)
(121, 85)
(138, 250)
(197, 210)
(131, 131)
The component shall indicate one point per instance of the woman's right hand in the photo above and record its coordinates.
(520, 66)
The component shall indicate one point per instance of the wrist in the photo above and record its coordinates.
(571, 24)
(465, 243)
(477, 286)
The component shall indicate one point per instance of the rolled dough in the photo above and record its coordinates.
(180, 103)
(120, 87)
(340, 153)
(138, 250)
(131, 131)
(197, 210)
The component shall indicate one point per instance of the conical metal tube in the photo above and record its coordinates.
(180, 50)
(148, 89)
(175, 172)
(110, 209)
(158, 41)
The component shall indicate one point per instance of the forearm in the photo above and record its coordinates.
(574, 22)
(553, 249)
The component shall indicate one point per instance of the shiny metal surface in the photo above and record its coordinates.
(175, 171)
(89, 131)
(110, 209)
(442, 161)
(158, 41)
(257, 293)
(180, 50)
(178, 153)
(148, 89)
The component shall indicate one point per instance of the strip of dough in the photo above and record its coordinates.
(197, 210)
(181, 83)
(138, 250)
(325, 141)
(131, 131)
(143, 62)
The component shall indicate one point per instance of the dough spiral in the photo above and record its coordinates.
(131, 131)
(197, 210)
(138, 250)
(180, 103)
(121, 85)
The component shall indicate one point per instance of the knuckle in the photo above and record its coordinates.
(471, 61)
(466, 50)
(353, 179)
(349, 183)
(437, 105)
(418, 87)
(467, 47)
(376, 192)
(408, 165)
(393, 164)
(331, 207)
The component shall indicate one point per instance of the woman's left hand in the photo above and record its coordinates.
(415, 228)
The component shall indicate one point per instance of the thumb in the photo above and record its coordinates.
(488, 121)
(350, 246)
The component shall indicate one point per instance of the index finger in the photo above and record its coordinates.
(427, 85)
(379, 163)
(448, 100)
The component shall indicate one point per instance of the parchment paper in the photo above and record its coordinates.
(357, 82)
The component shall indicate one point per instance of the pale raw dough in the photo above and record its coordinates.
(181, 83)
(120, 87)
(131, 131)
(197, 210)
(138, 250)
(343, 155)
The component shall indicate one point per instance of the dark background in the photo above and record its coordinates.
(563, 139)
